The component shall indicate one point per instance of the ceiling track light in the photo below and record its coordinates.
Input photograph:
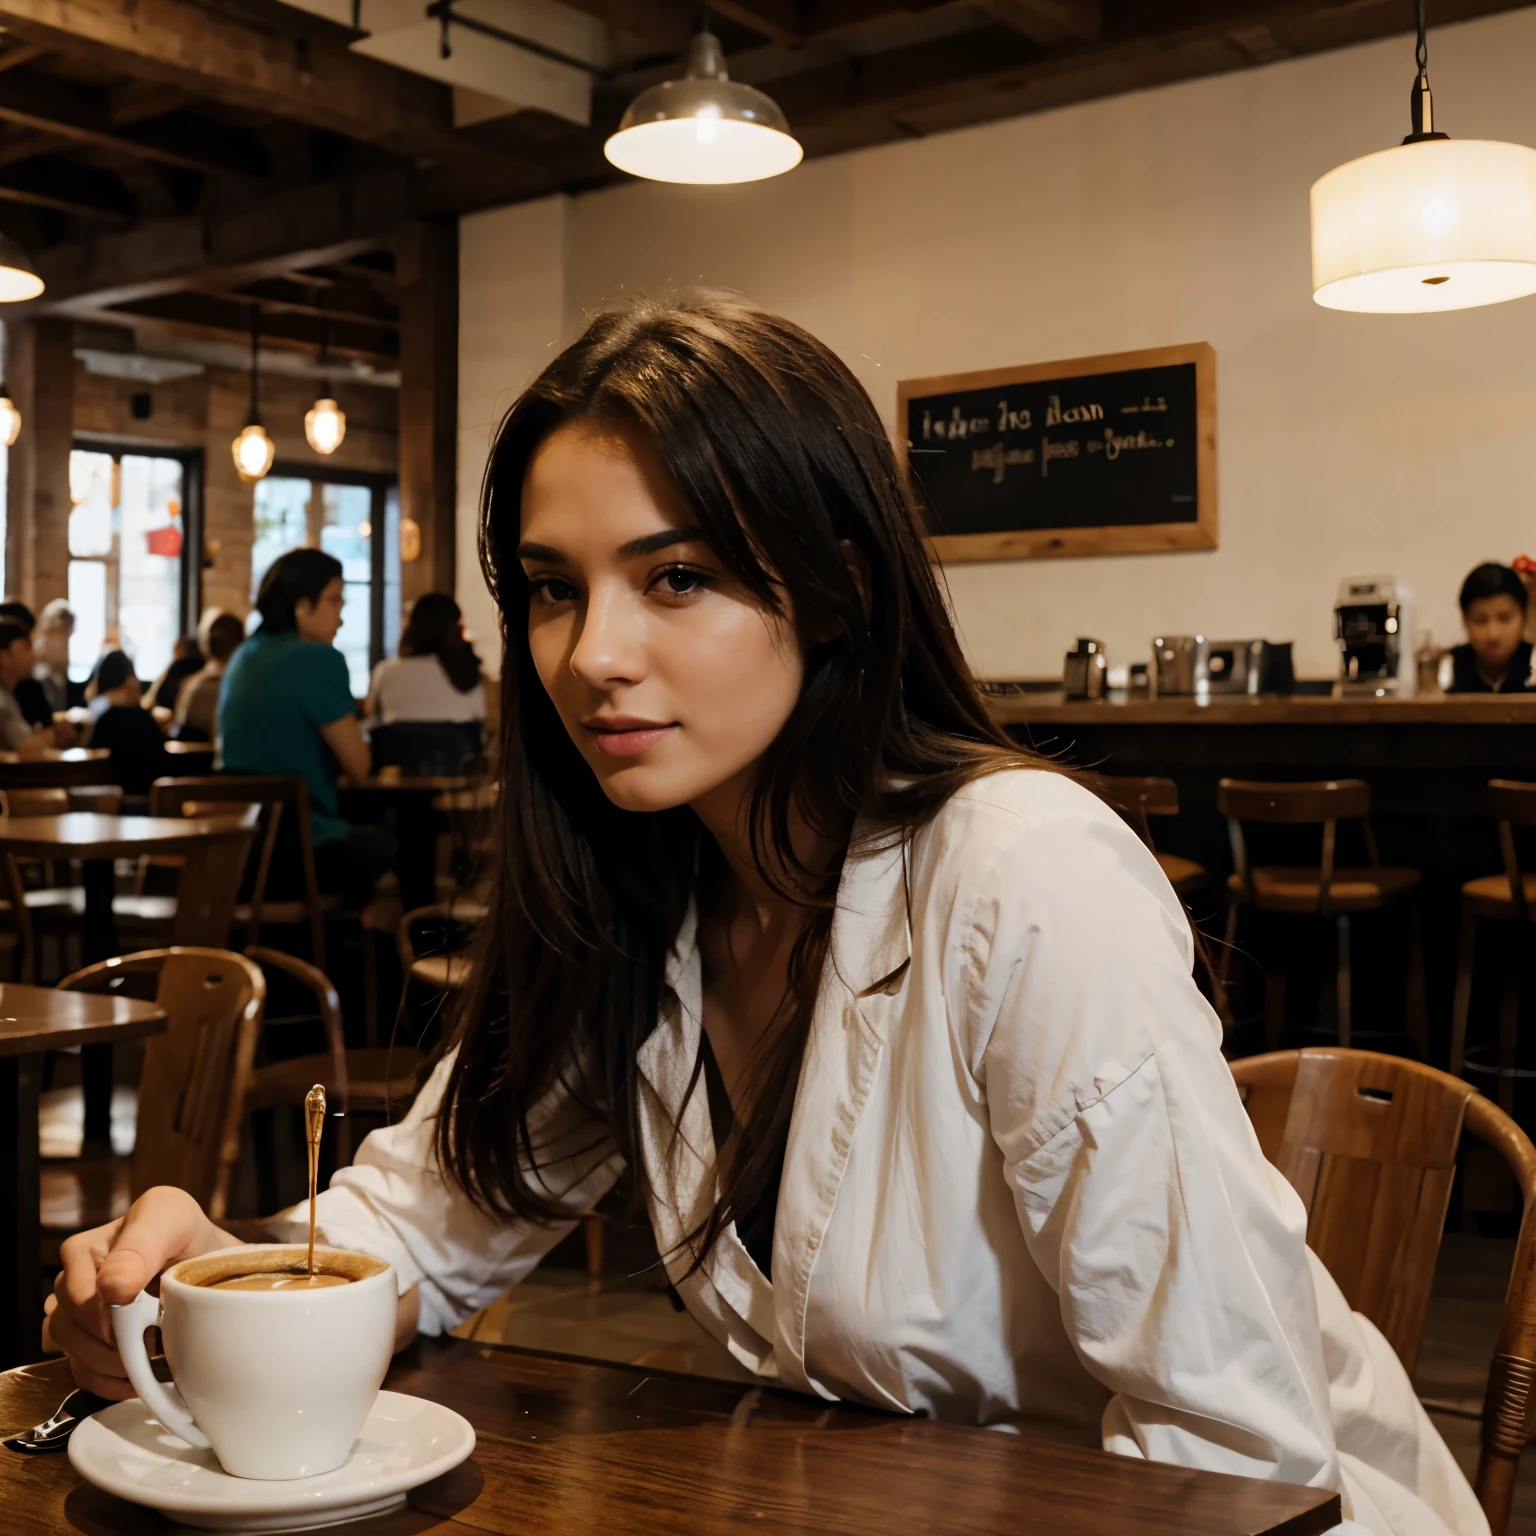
(253, 450)
(705, 128)
(1434, 224)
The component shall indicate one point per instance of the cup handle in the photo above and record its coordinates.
(128, 1325)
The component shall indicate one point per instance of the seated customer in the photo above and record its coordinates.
(1495, 659)
(28, 692)
(436, 676)
(16, 733)
(186, 659)
(56, 628)
(286, 708)
(125, 728)
(197, 703)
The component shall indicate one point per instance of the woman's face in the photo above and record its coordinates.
(320, 621)
(670, 677)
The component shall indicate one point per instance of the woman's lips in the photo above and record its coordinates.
(630, 741)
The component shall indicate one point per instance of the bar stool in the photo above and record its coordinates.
(1325, 891)
(1505, 898)
(1137, 799)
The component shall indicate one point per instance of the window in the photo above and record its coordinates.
(349, 517)
(128, 534)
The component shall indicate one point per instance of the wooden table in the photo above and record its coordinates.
(33, 1021)
(567, 1447)
(97, 840)
(57, 768)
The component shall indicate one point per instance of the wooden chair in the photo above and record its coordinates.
(362, 1082)
(285, 812)
(1504, 898)
(1139, 799)
(1327, 891)
(446, 968)
(190, 1090)
(1369, 1142)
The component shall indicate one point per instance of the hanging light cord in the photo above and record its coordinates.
(1420, 104)
(255, 354)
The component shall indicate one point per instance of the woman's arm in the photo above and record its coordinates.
(1179, 1256)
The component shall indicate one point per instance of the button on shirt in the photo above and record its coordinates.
(278, 691)
(1019, 1186)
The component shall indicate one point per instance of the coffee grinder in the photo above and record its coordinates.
(1373, 623)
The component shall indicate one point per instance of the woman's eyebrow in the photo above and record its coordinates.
(649, 545)
(547, 552)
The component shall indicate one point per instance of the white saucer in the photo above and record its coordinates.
(405, 1442)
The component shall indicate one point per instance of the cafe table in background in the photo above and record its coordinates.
(567, 1446)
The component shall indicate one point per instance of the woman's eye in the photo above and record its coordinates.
(550, 589)
(680, 581)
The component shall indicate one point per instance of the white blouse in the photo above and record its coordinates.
(1019, 1189)
(416, 689)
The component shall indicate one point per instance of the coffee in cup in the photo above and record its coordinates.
(274, 1369)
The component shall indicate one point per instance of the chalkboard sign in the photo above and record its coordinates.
(1099, 455)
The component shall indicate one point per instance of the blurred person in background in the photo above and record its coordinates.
(186, 658)
(286, 708)
(196, 715)
(1496, 657)
(28, 693)
(125, 728)
(436, 677)
(16, 660)
(55, 628)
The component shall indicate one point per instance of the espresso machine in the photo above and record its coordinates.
(1373, 623)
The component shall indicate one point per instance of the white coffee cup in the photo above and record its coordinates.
(277, 1383)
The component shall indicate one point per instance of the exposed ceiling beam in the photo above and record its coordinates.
(343, 307)
(18, 54)
(665, 24)
(57, 110)
(1049, 22)
(74, 189)
(255, 58)
(232, 316)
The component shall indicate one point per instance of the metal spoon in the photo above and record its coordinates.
(53, 1434)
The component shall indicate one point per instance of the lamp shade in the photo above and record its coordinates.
(1439, 224)
(10, 420)
(18, 278)
(705, 128)
(254, 452)
(325, 424)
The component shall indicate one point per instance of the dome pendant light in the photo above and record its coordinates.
(325, 423)
(18, 277)
(254, 451)
(1437, 223)
(705, 128)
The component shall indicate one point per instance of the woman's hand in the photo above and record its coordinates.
(109, 1266)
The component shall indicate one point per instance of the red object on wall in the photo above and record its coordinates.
(164, 541)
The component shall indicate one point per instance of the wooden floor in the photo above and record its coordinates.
(631, 1321)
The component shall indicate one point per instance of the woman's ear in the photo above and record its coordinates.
(858, 568)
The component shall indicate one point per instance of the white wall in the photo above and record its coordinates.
(1347, 444)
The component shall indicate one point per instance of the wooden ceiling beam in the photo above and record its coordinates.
(69, 189)
(279, 296)
(231, 317)
(56, 110)
(18, 54)
(1048, 22)
(258, 60)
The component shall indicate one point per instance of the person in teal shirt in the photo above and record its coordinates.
(286, 708)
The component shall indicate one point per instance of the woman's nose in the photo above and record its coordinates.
(609, 645)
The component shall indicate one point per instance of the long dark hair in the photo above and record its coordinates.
(433, 630)
(781, 459)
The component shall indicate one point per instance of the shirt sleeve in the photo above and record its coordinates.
(14, 730)
(394, 1202)
(324, 686)
(1179, 1256)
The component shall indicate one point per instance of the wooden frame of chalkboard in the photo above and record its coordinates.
(982, 448)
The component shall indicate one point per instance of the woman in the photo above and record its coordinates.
(286, 707)
(892, 1028)
(436, 676)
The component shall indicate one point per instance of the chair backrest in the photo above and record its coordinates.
(1324, 802)
(285, 853)
(1138, 798)
(194, 1074)
(427, 748)
(1369, 1142)
(1512, 804)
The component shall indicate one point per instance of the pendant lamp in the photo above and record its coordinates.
(705, 128)
(325, 423)
(254, 451)
(18, 278)
(1437, 223)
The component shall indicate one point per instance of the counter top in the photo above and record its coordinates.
(1054, 708)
